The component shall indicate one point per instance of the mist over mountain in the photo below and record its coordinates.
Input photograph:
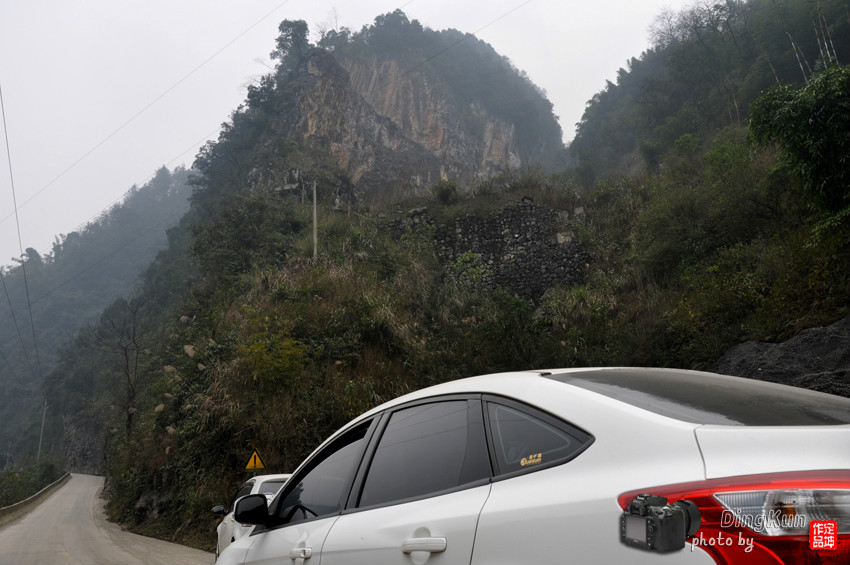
(68, 288)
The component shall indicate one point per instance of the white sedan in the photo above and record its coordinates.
(576, 466)
(229, 530)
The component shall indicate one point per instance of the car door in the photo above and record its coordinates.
(420, 496)
(538, 511)
(304, 511)
(229, 530)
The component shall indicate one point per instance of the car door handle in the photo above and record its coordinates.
(301, 553)
(431, 545)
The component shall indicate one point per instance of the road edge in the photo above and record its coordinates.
(12, 512)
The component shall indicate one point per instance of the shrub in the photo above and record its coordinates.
(446, 192)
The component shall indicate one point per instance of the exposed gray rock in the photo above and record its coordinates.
(816, 358)
(83, 446)
(150, 505)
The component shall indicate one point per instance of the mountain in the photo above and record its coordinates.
(371, 117)
(384, 113)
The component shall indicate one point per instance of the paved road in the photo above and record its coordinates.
(69, 527)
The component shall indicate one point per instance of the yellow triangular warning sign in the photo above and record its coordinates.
(255, 462)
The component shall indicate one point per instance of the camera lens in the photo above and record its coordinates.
(692, 517)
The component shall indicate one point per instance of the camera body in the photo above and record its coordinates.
(651, 523)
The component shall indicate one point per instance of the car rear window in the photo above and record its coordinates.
(271, 487)
(706, 398)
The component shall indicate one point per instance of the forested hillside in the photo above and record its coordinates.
(67, 289)
(689, 226)
(707, 64)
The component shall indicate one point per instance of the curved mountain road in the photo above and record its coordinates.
(69, 527)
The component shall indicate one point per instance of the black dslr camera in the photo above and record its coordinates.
(650, 523)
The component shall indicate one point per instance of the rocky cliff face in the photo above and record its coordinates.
(469, 143)
(329, 120)
(392, 132)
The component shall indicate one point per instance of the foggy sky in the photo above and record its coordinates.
(98, 94)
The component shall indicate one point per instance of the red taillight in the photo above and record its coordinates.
(765, 519)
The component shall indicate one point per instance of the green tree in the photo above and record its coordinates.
(811, 127)
(256, 228)
(291, 44)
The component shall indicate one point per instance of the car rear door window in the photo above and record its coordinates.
(426, 449)
(525, 439)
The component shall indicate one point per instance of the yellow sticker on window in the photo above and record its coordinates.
(533, 459)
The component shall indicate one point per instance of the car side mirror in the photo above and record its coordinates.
(252, 509)
(219, 510)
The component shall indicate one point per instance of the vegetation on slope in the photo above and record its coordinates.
(708, 63)
(20, 484)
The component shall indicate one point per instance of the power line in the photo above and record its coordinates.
(127, 243)
(17, 327)
(82, 226)
(20, 247)
(178, 156)
(207, 60)
(82, 158)
(145, 108)
(12, 369)
(91, 218)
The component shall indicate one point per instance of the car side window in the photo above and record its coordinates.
(325, 483)
(425, 449)
(244, 490)
(523, 439)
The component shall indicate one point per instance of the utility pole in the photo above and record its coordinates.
(41, 435)
(315, 225)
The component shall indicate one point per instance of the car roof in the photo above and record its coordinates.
(276, 478)
(710, 398)
(689, 396)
